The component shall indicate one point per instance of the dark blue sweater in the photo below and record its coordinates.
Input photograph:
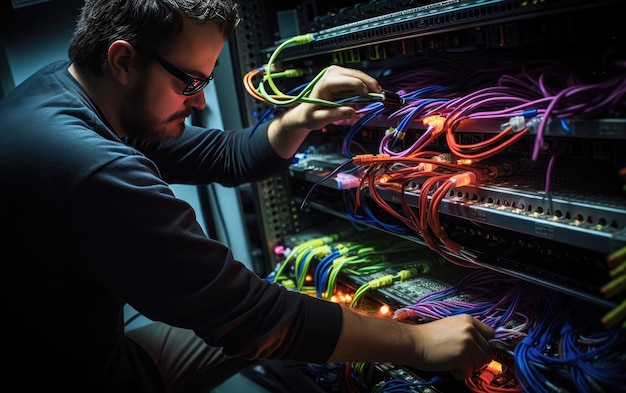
(89, 223)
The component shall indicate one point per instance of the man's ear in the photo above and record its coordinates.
(120, 55)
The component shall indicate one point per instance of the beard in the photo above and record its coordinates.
(139, 120)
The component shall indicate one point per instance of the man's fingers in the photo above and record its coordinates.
(485, 330)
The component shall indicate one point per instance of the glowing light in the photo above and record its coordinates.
(384, 310)
(495, 366)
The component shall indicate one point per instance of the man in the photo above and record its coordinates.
(89, 222)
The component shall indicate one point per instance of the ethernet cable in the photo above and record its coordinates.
(378, 177)
(400, 386)
(303, 264)
(299, 249)
(268, 92)
(559, 341)
(387, 280)
(368, 257)
(493, 298)
(366, 219)
(567, 346)
(319, 277)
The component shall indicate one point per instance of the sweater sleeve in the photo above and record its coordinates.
(202, 156)
(149, 251)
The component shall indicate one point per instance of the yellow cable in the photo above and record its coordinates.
(615, 316)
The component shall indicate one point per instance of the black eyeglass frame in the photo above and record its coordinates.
(193, 85)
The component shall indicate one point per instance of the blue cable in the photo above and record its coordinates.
(570, 345)
(300, 266)
(371, 218)
(374, 110)
(321, 271)
(365, 222)
(402, 386)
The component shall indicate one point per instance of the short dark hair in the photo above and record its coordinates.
(146, 24)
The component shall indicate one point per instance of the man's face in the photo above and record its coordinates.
(155, 107)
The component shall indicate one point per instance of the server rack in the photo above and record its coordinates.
(548, 210)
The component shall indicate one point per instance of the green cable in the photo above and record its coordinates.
(296, 40)
(302, 247)
(291, 100)
(381, 282)
(337, 265)
(340, 265)
(312, 254)
(269, 78)
(364, 256)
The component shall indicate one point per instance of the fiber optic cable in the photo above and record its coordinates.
(342, 263)
(357, 377)
(361, 376)
(347, 251)
(401, 215)
(432, 131)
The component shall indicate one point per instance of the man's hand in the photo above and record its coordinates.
(459, 344)
(287, 132)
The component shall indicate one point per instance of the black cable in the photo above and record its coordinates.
(308, 194)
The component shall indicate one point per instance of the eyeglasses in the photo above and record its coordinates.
(193, 85)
